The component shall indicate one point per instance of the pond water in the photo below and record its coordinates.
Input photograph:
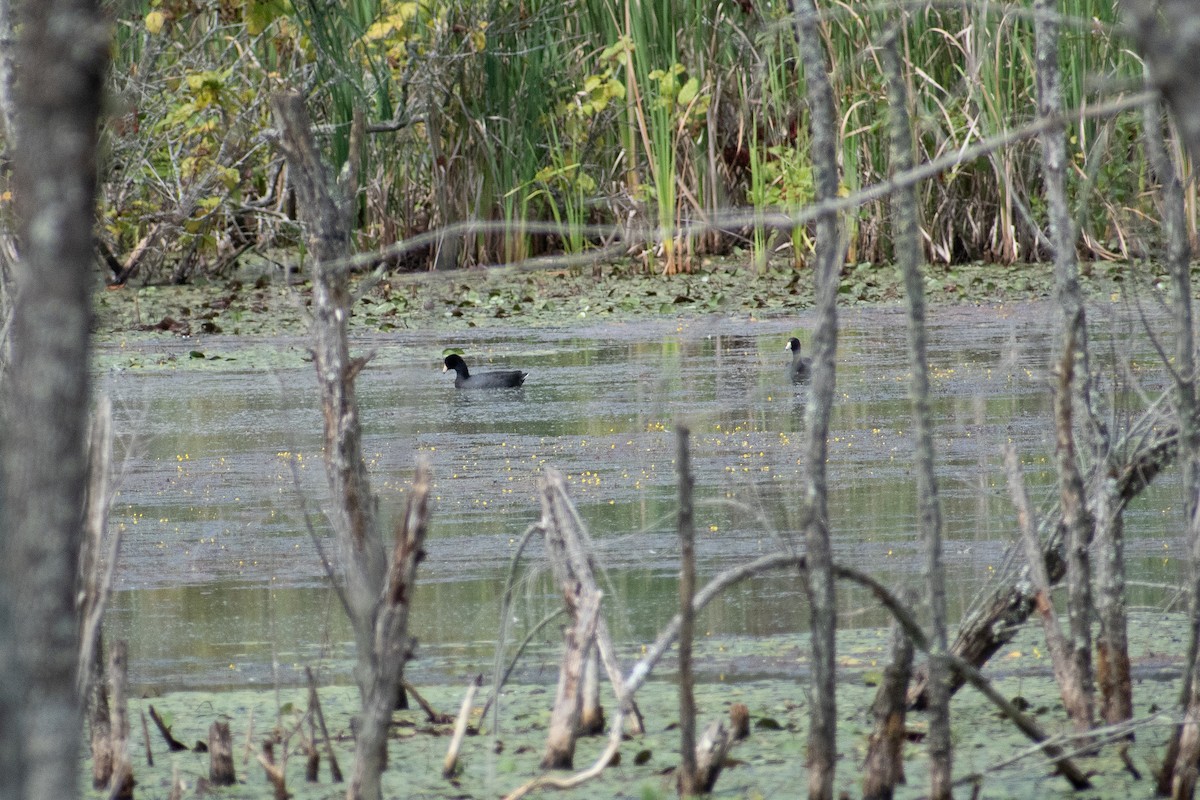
(220, 583)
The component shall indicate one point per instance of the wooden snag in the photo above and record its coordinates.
(146, 740)
(434, 716)
(275, 775)
(591, 719)
(739, 722)
(173, 744)
(884, 767)
(569, 550)
(314, 707)
(122, 782)
(220, 755)
(711, 750)
(450, 765)
(564, 719)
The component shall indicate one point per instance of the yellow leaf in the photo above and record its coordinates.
(155, 21)
(688, 92)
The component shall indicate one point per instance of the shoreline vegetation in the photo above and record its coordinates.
(263, 303)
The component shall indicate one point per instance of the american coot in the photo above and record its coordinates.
(801, 368)
(504, 379)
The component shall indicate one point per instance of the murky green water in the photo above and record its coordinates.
(220, 583)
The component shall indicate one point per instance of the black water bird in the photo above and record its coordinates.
(801, 367)
(502, 379)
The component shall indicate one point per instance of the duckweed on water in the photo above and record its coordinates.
(768, 764)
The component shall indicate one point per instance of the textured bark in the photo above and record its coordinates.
(883, 769)
(275, 772)
(8, 76)
(392, 644)
(121, 784)
(1177, 774)
(450, 762)
(908, 256)
(314, 708)
(710, 754)
(690, 780)
(1072, 363)
(564, 718)
(353, 509)
(95, 574)
(1056, 643)
(569, 549)
(376, 594)
(220, 755)
(820, 586)
(1113, 668)
(62, 55)
(591, 718)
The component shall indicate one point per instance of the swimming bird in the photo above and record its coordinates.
(502, 379)
(801, 368)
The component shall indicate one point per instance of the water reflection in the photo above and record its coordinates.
(220, 583)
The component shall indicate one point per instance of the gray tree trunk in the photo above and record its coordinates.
(43, 464)
(1167, 35)
(908, 256)
(376, 594)
(1078, 693)
(8, 76)
(822, 734)
(688, 777)
(1178, 773)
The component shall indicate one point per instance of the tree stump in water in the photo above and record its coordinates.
(711, 749)
(569, 550)
(564, 719)
(591, 720)
(220, 755)
(121, 787)
(884, 767)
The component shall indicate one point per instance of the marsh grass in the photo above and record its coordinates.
(700, 115)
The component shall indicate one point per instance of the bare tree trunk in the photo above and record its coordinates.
(1113, 668)
(1178, 773)
(1073, 361)
(1056, 643)
(8, 76)
(95, 583)
(1168, 38)
(353, 511)
(564, 718)
(591, 718)
(376, 596)
(121, 780)
(220, 755)
(687, 619)
(883, 769)
(570, 552)
(43, 465)
(821, 589)
(908, 256)
(392, 645)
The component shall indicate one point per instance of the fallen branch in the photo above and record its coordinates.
(450, 765)
(730, 577)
